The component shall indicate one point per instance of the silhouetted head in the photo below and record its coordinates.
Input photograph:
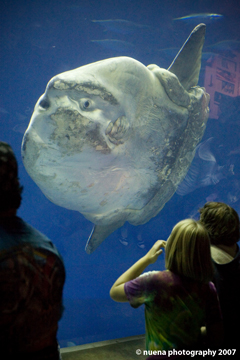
(188, 251)
(221, 222)
(10, 189)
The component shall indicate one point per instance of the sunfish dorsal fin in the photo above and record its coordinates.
(187, 64)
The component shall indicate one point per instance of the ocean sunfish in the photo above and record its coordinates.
(113, 139)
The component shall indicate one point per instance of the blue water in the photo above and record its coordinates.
(40, 39)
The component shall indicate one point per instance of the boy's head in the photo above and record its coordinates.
(221, 222)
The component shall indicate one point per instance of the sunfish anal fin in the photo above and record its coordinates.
(98, 235)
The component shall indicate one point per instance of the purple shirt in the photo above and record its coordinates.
(175, 308)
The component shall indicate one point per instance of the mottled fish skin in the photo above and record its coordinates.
(113, 139)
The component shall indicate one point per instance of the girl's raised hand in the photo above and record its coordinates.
(155, 251)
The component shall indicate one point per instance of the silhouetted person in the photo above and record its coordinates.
(222, 223)
(32, 277)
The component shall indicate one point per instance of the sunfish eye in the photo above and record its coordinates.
(44, 103)
(85, 104)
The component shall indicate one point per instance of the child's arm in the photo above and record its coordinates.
(117, 292)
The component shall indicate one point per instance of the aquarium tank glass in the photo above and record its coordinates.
(41, 39)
